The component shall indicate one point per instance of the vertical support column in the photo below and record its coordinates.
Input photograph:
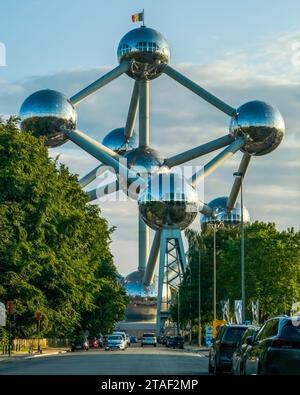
(143, 245)
(161, 274)
(143, 113)
(172, 265)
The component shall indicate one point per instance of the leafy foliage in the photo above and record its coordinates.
(54, 248)
(272, 271)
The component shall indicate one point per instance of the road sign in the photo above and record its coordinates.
(208, 335)
(38, 315)
(2, 314)
(216, 326)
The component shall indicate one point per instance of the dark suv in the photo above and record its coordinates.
(276, 348)
(223, 347)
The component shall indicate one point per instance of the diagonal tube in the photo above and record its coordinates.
(217, 161)
(132, 112)
(202, 149)
(102, 153)
(100, 82)
(189, 84)
(143, 244)
(92, 175)
(150, 268)
(103, 190)
(237, 182)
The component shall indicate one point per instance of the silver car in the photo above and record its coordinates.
(115, 342)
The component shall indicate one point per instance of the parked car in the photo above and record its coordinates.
(175, 342)
(79, 343)
(165, 340)
(226, 342)
(133, 339)
(123, 334)
(276, 348)
(244, 346)
(149, 339)
(115, 342)
(93, 342)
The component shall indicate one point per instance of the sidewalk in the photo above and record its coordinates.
(21, 355)
(195, 348)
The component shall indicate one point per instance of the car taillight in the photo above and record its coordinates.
(284, 343)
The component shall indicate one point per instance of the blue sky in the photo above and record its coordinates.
(47, 36)
(240, 50)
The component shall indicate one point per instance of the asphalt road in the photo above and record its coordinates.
(133, 361)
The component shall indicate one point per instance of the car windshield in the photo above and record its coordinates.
(233, 334)
(148, 335)
(115, 337)
(291, 330)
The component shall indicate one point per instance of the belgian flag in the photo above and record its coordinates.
(138, 17)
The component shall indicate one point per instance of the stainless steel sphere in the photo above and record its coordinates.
(148, 50)
(144, 160)
(116, 142)
(261, 123)
(168, 201)
(48, 113)
(143, 302)
(230, 218)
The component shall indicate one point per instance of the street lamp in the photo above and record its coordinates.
(241, 176)
(199, 298)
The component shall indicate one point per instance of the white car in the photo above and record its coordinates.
(149, 339)
(123, 334)
(115, 342)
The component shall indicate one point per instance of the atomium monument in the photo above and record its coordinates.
(256, 128)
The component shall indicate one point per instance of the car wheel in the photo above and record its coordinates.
(260, 370)
(217, 370)
(154, 345)
(210, 368)
(142, 345)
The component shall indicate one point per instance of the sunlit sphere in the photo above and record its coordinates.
(144, 160)
(116, 142)
(49, 114)
(168, 201)
(261, 123)
(143, 301)
(148, 50)
(222, 216)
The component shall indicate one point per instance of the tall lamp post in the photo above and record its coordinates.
(215, 272)
(199, 300)
(241, 176)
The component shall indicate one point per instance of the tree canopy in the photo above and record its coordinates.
(272, 271)
(54, 248)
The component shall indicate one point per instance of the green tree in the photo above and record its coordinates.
(54, 248)
(272, 271)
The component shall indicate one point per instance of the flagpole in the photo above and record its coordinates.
(143, 18)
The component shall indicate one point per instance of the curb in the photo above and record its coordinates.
(46, 355)
(20, 358)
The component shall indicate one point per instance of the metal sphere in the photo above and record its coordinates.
(168, 201)
(115, 140)
(143, 301)
(230, 218)
(144, 160)
(261, 123)
(148, 50)
(48, 113)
